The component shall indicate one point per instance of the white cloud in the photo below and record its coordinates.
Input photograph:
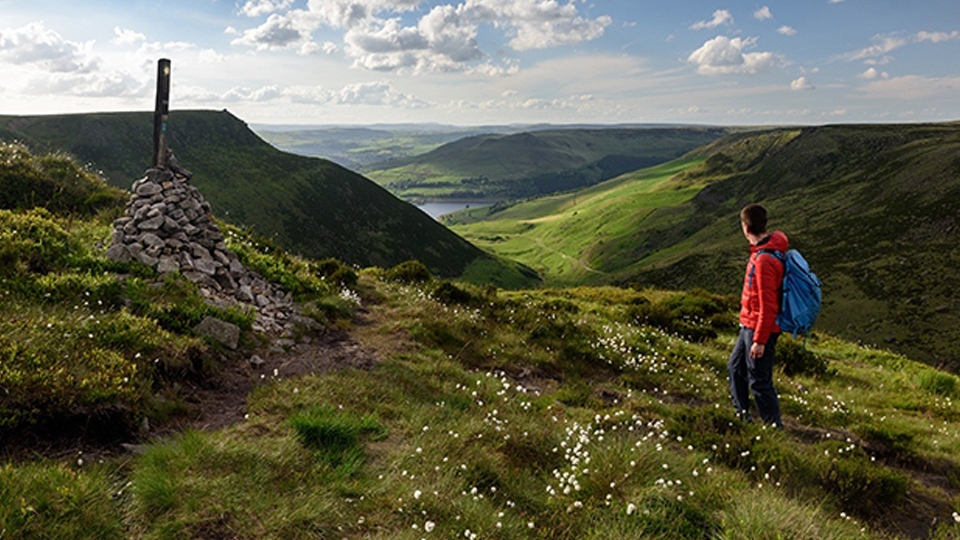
(535, 24)
(724, 56)
(882, 46)
(836, 1)
(444, 39)
(36, 45)
(763, 14)
(278, 32)
(380, 93)
(937, 37)
(872, 73)
(786, 30)
(210, 56)
(99, 85)
(255, 8)
(913, 87)
(801, 84)
(265, 93)
(720, 16)
(127, 37)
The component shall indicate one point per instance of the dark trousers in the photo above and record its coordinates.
(748, 374)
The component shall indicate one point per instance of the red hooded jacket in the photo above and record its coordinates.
(760, 299)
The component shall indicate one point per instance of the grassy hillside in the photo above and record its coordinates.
(535, 163)
(307, 205)
(578, 413)
(873, 208)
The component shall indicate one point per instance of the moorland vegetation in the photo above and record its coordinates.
(551, 413)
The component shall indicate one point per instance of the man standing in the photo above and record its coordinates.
(751, 362)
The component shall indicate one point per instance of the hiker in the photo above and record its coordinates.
(751, 362)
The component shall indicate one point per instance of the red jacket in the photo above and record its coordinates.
(760, 300)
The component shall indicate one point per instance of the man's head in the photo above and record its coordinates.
(753, 217)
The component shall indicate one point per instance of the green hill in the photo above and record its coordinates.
(409, 407)
(535, 163)
(307, 205)
(875, 209)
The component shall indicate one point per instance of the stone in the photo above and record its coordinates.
(220, 331)
(119, 252)
(219, 255)
(170, 225)
(237, 268)
(245, 294)
(207, 266)
(151, 224)
(147, 259)
(256, 362)
(150, 240)
(148, 189)
(167, 264)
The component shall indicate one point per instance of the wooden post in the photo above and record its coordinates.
(160, 113)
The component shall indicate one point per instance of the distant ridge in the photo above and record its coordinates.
(874, 208)
(538, 161)
(307, 205)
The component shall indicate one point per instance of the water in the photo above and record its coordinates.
(437, 209)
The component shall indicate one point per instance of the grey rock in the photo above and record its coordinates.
(151, 224)
(148, 189)
(207, 266)
(119, 252)
(256, 362)
(150, 240)
(167, 264)
(220, 331)
(147, 259)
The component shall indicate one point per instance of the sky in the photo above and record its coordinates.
(476, 62)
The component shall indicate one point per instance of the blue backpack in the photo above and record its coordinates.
(799, 295)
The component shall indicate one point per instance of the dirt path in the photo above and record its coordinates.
(221, 400)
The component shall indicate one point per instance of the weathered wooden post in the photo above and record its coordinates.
(160, 113)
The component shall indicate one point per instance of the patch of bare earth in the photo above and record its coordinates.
(220, 399)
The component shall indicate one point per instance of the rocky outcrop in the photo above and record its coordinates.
(168, 226)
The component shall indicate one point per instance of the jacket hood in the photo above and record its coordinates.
(775, 241)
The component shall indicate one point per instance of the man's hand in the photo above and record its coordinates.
(756, 350)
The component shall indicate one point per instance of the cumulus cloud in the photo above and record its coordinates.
(724, 56)
(786, 30)
(443, 39)
(34, 44)
(278, 32)
(801, 84)
(872, 73)
(763, 14)
(127, 37)
(255, 8)
(376, 93)
(720, 16)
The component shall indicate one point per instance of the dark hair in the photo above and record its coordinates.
(754, 217)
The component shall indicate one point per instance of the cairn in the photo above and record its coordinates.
(168, 226)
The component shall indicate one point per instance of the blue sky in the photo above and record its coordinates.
(472, 62)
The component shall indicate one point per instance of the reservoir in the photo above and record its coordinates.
(437, 209)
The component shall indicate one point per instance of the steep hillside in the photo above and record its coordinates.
(536, 163)
(875, 209)
(307, 205)
(403, 406)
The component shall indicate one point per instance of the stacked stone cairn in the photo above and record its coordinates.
(168, 226)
